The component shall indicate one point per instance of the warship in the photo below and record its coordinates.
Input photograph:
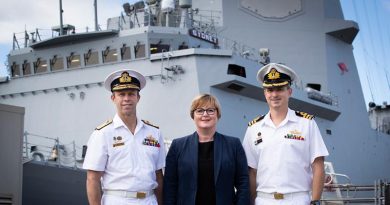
(185, 48)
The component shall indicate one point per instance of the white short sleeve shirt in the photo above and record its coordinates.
(129, 161)
(283, 155)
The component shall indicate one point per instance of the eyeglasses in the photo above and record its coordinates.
(209, 111)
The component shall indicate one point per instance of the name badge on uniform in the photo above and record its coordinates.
(151, 141)
(259, 139)
(118, 141)
(295, 135)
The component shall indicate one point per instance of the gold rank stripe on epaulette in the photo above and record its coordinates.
(150, 124)
(304, 115)
(257, 119)
(103, 125)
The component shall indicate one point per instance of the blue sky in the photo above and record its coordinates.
(370, 46)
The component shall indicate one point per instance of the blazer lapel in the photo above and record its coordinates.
(218, 148)
(193, 150)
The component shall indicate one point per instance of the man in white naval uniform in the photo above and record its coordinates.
(284, 148)
(125, 155)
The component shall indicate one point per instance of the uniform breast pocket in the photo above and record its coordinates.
(260, 148)
(151, 150)
(295, 146)
(119, 155)
(150, 153)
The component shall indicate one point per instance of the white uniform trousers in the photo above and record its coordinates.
(118, 200)
(301, 198)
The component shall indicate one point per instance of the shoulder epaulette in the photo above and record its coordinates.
(257, 119)
(304, 115)
(150, 124)
(104, 124)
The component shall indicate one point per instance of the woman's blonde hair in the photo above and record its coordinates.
(202, 100)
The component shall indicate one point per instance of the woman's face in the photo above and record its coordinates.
(206, 117)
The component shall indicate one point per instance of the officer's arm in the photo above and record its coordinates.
(94, 187)
(252, 184)
(159, 190)
(318, 178)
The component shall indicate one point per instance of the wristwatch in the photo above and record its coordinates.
(315, 202)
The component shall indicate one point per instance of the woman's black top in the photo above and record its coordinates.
(205, 194)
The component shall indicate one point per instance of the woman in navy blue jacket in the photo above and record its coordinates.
(206, 167)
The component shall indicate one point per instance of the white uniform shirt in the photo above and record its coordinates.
(129, 161)
(283, 155)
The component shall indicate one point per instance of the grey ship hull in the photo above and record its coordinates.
(45, 184)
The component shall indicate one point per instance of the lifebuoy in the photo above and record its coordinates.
(37, 156)
(328, 183)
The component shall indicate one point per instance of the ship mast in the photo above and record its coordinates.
(96, 17)
(61, 24)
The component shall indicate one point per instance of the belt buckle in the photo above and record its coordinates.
(141, 195)
(278, 196)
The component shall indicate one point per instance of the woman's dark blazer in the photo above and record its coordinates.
(230, 171)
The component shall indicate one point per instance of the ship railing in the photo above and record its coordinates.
(336, 193)
(239, 48)
(206, 20)
(203, 20)
(339, 189)
(52, 151)
(327, 98)
(378, 194)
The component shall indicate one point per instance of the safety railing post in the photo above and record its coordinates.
(26, 144)
(74, 154)
(57, 149)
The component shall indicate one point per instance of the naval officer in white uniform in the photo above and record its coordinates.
(284, 148)
(125, 155)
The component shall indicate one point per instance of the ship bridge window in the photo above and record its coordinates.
(26, 68)
(56, 63)
(125, 52)
(109, 55)
(40, 66)
(139, 50)
(15, 70)
(234, 69)
(315, 86)
(73, 61)
(91, 58)
(183, 46)
(158, 48)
